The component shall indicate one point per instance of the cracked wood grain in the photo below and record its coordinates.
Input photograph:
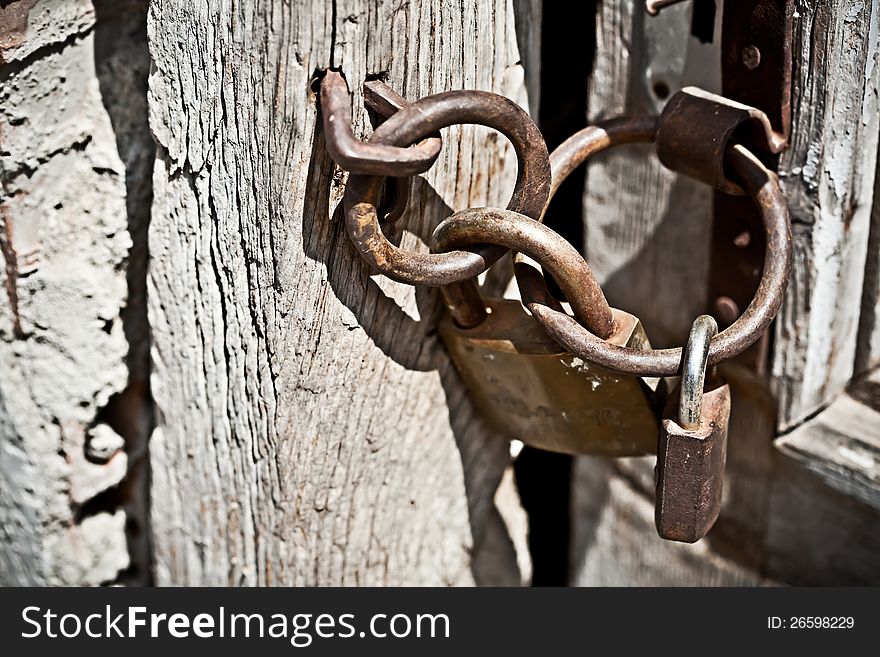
(312, 430)
(827, 175)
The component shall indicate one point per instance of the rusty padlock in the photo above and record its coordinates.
(525, 384)
(693, 446)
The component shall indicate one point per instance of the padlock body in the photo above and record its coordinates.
(528, 388)
(690, 467)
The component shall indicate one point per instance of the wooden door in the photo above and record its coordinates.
(202, 384)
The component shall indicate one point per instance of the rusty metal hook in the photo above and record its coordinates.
(356, 156)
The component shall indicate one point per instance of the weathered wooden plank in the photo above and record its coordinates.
(818, 535)
(827, 174)
(66, 238)
(617, 545)
(841, 445)
(779, 516)
(312, 429)
(868, 349)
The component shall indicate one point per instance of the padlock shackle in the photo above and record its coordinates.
(694, 360)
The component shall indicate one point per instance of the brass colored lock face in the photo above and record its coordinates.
(690, 468)
(528, 388)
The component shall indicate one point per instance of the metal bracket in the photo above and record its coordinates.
(696, 128)
(756, 58)
(756, 70)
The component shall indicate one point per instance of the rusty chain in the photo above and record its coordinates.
(694, 135)
(454, 271)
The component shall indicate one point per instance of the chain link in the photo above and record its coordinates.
(471, 240)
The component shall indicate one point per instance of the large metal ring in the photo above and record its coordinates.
(756, 179)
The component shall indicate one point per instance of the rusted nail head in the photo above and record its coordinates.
(751, 57)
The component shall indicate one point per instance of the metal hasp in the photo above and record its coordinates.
(756, 69)
(756, 58)
(356, 156)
